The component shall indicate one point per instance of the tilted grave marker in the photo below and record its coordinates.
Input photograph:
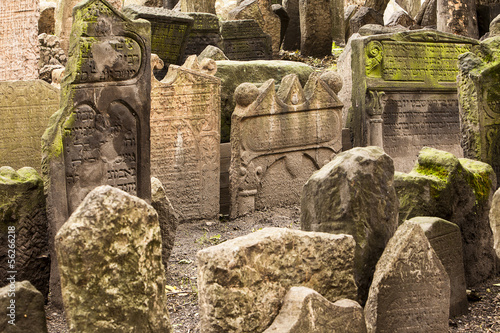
(205, 31)
(245, 40)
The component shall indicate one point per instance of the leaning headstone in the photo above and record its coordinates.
(402, 101)
(22, 308)
(242, 282)
(410, 6)
(185, 138)
(112, 276)
(315, 28)
(495, 222)
(427, 15)
(205, 32)
(292, 34)
(410, 291)
(212, 52)
(345, 197)
(459, 191)
(19, 39)
(278, 139)
(364, 16)
(100, 135)
(198, 6)
(446, 241)
(245, 40)
(305, 310)
(24, 245)
(26, 107)
(458, 17)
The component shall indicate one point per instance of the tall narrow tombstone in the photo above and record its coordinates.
(198, 6)
(205, 31)
(26, 107)
(315, 28)
(458, 17)
(410, 291)
(185, 138)
(495, 222)
(403, 101)
(245, 40)
(292, 34)
(278, 139)
(337, 17)
(19, 39)
(100, 135)
(487, 11)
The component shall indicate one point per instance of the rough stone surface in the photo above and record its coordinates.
(212, 52)
(279, 139)
(24, 228)
(487, 15)
(245, 40)
(427, 15)
(377, 5)
(412, 7)
(19, 39)
(354, 194)
(242, 282)
(410, 291)
(198, 6)
(305, 310)
(495, 27)
(459, 191)
(400, 18)
(29, 313)
(458, 17)
(205, 32)
(291, 41)
(47, 22)
(364, 15)
(495, 222)
(446, 241)
(315, 28)
(112, 276)
(52, 57)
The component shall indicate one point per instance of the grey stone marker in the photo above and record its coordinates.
(292, 34)
(315, 28)
(101, 134)
(446, 241)
(245, 40)
(410, 291)
(205, 32)
(354, 194)
(200, 6)
(458, 17)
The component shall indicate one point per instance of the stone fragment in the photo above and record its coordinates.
(284, 19)
(411, 7)
(47, 22)
(337, 17)
(458, 17)
(427, 15)
(245, 40)
(336, 198)
(377, 5)
(305, 310)
(446, 241)
(410, 291)
(204, 33)
(377, 29)
(212, 52)
(243, 281)
(364, 15)
(198, 6)
(279, 139)
(400, 18)
(459, 191)
(487, 16)
(348, 14)
(495, 27)
(291, 41)
(22, 308)
(112, 276)
(24, 238)
(315, 28)
(495, 222)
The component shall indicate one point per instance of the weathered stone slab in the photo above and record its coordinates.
(404, 93)
(458, 17)
(337, 17)
(305, 310)
(199, 6)
(487, 11)
(315, 28)
(101, 133)
(495, 222)
(362, 17)
(24, 245)
(243, 281)
(112, 276)
(245, 40)
(185, 138)
(292, 34)
(345, 197)
(410, 291)
(412, 7)
(459, 191)
(26, 107)
(19, 40)
(279, 139)
(22, 306)
(446, 241)
(205, 32)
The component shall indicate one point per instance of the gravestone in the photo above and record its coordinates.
(411, 7)
(458, 17)
(495, 222)
(402, 100)
(198, 6)
(292, 34)
(110, 261)
(19, 39)
(205, 32)
(427, 14)
(487, 11)
(47, 21)
(315, 28)
(245, 40)
(345, 197)
(337, 17)
(278, 139)
(185, 138)
(242, 282)
(26, 107)
(100, 135)
(24, 245)
(410, 291)
(446, 241)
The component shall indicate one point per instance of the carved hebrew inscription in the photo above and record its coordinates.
(167, 40)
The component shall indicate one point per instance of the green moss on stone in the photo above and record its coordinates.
(479, 178)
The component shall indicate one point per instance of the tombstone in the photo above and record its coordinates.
(185, 138)
(148, 3)
(495, 27)
(446, 241)
(479, 105)
(411, 7)
(337, 17)
(459, 191)
(26, 107)
(19, 40)
(458, 17)
(315, 28)
(410, 291)
(292, 34)
(334, 200)
(245, 40)
(362, 17)
(112, 276)
(427, 15)
(377, 5)
(284, 20)
(278, 139)
(205, 32)
(242, 282)
(305, 310)
(212, 52)
(495, 222)
(24, 228)
(402, 101)
(100, 135)
(198, 6)
(487, 11)
(23, 309)
(47, 21)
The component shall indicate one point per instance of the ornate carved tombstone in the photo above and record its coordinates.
(100, 135)
(404, 93)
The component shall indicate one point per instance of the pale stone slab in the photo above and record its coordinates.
(458, 17)
(315, 28)
(198, 6)
(495, 222)
(112, 276)
(243, 281)
(410, 291)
